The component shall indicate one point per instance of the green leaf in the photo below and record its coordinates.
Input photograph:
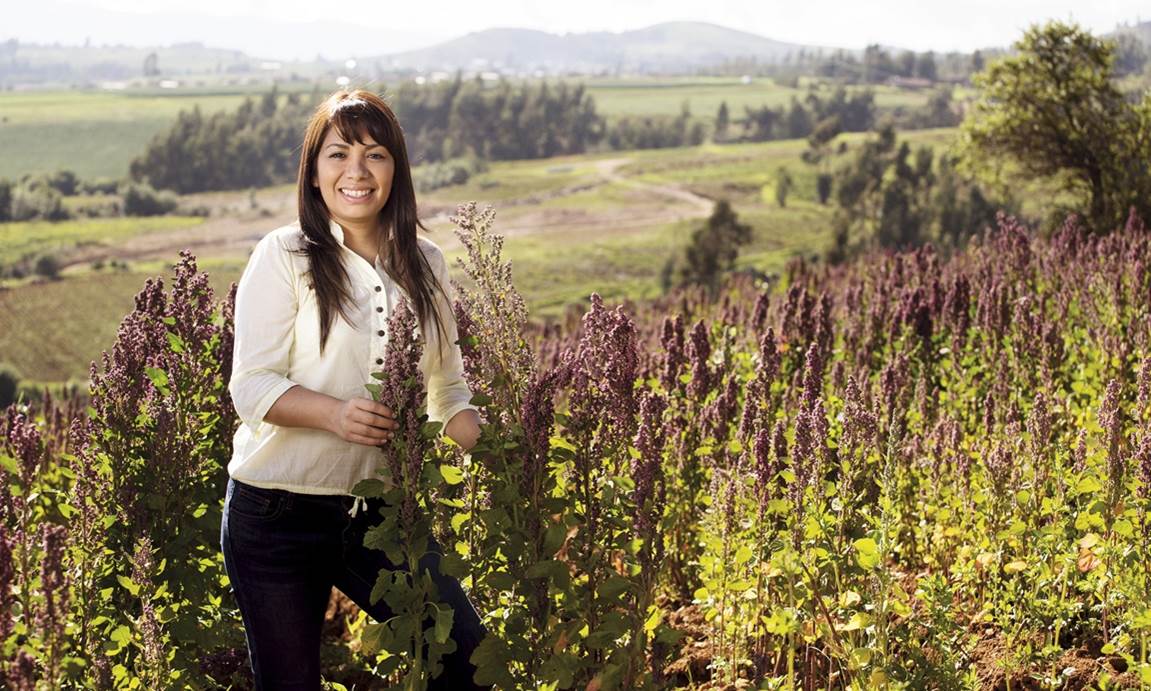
(128, 585)
(554, 538)
(444, 624)
(500, 580)
(379, 375)
(867, 552)
(458, 521)
(370, 488)
(480, 399)
(9, 464)
(374, 638)
(430, 429)
(175, 343)
(373, 388)
(382, 586)
(452, 564)
(1087, 485)
(613, 587)
(452, 475)
(158, 377)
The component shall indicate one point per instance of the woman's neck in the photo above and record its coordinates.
(363, 240)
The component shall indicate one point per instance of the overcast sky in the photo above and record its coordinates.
(915, 24)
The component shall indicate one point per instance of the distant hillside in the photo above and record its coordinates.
(663, 48)
(22, 63)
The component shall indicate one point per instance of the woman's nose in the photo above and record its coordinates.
(357, 167)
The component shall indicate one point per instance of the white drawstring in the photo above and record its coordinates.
(357, 504)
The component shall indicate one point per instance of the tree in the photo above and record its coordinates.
(1053, 110)
(722, 122)
(5, 199)
(819, 153)
(783, 184)
(714, 247)
(926, 67)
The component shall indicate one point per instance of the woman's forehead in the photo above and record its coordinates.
(359, 135)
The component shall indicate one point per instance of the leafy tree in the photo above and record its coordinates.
(722, 122)
(5, 199)
(783, 185)
(1053, 110)
(925, 66)
(714, 247)
(819, 153)
(890, 197)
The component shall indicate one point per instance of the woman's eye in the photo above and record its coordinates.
(337, 154)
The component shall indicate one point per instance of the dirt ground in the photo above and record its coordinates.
(238, 219)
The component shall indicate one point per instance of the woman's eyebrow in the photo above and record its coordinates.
(345, 145)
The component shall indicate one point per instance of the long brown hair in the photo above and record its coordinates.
(357, 115)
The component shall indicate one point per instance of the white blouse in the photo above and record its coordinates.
(277, 346)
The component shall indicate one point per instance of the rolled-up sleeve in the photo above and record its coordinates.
(265, 315)
(448, 391)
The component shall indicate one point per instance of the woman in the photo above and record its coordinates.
(311, 313)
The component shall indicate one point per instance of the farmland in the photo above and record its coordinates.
(575, 225)
(97, 133)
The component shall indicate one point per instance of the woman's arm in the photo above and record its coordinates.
(464, 428)
(357, 420)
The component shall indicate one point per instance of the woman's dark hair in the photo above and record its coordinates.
(357, 115)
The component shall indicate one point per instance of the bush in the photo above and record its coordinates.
(141, 200)
(63, 181)
(9, 384)
(33, 201)
(100, 186)
(47, 266)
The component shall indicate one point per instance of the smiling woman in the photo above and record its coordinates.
(311, 325)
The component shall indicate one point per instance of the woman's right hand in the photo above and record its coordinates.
(364, 421)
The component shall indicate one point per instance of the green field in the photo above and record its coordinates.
(23, 241)
(703, 95)
(96, 134)
(92, 133)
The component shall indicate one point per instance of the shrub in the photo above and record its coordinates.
(100, 186)
(141, 200)
(9, 384)
(48, 266)
(37, 201)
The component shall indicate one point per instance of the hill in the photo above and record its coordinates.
(672, 47)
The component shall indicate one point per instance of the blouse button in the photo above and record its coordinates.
(379, 361)
(379, 309)
(380, 332)
(378, 289)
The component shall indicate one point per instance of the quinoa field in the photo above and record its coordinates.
(915, 471)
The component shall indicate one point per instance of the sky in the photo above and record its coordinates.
(395, 26)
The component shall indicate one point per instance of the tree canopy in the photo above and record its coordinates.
(1053, 111)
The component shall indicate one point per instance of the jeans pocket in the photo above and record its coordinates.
(255, 502)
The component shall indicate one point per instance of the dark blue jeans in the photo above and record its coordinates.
(284, 551)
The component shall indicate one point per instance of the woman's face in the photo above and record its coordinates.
(354, 179)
